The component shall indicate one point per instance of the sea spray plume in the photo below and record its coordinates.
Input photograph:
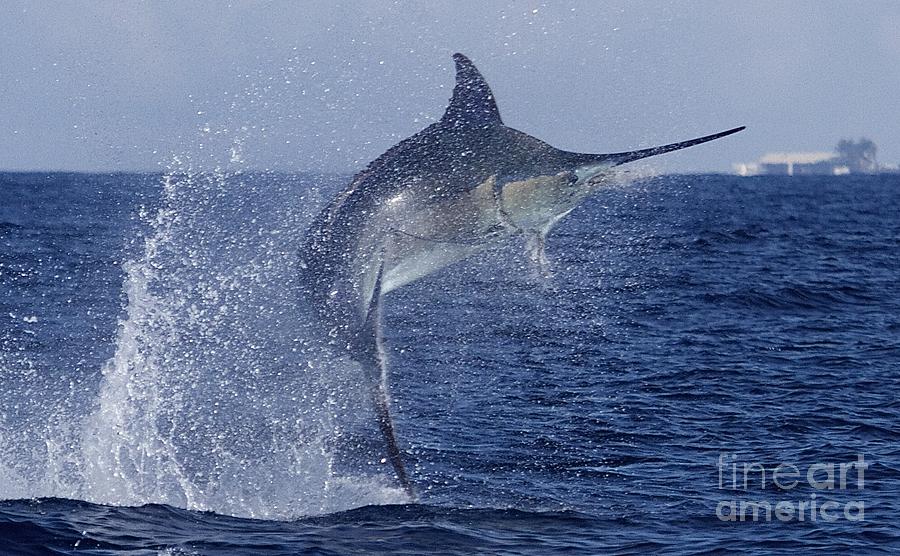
(460, 185)
(214, 400)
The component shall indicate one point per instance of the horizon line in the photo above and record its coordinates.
(273, 171)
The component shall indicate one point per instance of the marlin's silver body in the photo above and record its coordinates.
(457, 187)
(413, 238)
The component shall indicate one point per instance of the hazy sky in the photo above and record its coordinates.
(119, 85)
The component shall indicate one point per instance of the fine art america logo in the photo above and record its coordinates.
(826, 480)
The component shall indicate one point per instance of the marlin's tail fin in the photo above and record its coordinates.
(367, 350)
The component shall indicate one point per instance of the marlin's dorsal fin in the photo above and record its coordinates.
(472, 102)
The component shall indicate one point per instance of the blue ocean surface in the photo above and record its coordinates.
(713, 368)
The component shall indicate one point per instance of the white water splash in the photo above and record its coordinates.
(216, 398)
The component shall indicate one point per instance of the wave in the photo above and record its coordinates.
(792, 297)
(742, 235)
(61, 526)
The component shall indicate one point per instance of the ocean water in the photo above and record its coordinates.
(161, 393)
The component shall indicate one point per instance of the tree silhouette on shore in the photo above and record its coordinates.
(858, 156)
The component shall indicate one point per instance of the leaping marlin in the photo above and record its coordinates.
(458, 186)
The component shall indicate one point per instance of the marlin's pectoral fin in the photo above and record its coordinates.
(369, 352)
(535, 245)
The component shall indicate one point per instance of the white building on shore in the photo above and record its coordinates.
(849, 157)
(794, 164)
